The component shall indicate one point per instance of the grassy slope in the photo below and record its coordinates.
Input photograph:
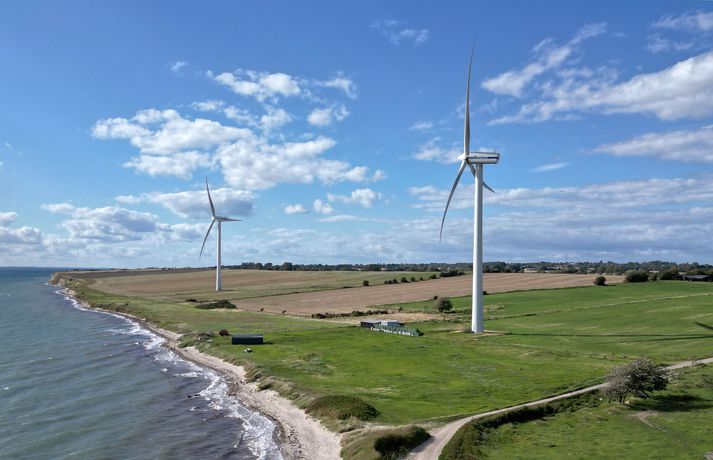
(572, 340)
(681, 428)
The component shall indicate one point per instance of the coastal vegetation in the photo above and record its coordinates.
(541, 342)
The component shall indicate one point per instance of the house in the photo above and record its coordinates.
(697, 277)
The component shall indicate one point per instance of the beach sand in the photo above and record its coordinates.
(300, 435)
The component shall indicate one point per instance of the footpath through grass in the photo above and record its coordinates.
(676, 423)
(552, 341)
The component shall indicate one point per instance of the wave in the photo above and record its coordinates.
(259, 431)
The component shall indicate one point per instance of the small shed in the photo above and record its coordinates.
(697, 277)
(369, 323)
(247, 339)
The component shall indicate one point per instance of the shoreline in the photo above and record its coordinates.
(299, 435)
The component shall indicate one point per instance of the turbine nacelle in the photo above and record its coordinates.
(489, 158)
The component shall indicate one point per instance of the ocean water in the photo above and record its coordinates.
(80, 384)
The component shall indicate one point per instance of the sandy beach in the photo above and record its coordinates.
(300, 435)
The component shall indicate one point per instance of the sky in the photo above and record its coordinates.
(332, 130)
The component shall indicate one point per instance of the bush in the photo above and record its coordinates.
(404, 280)
(398, 444)
(637, 277)
(670, 274)
(342, 408)
(365, 283)
(639, 379)
(443, 304)
(394, 281)
(413, 278)
(450, 273)
(600, 281)
(223, 333)
(387, 281)
(213, 305)
(433, 277)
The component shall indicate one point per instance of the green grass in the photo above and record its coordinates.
(341, 408)
(552, 341)
(676, 423)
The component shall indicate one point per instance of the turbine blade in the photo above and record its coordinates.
(472, 169)
(206, 237)
(228, 219)
(212, 208)
(466, 140)
(453, 189)
(488, 187)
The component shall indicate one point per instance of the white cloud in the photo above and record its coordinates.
(700, 21)
(658, 44)
(6, 218)
(194, 204)
(362, 196)
(260, 85)
(274, 118)
(433, 151)
(421, 126)
(177, 66)
(684, 145)
(295, 209)
(328, 115)
(181, 165)
(107, 224)
(341, 82)
(210, 105)
(684, 90)
(397, 35)
(322, 208)
(547, 56)
(549, 167)
(339, 218)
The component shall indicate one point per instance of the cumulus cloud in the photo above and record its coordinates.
(684, 145)
(177, 66)
(396, 34)
(6, 218)
(421, 126)
(194, 204)
(260, 85)
(322, 208)
(341, 82)
(328, 115)
(434, 151)
(108, 224)
(295, 209)
(683, 90)
(362, 196)
(546, 56)
(210, 105)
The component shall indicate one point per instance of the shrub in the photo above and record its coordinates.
(450, 273)
(387, 281)
(639, 379)
(443, 304)
(365, 283)
(398, 444)
(404, 280)
(342, 408)
(433, 277)
(413, 278)
(670, 274)
(191, 300)
(420, 278)
(600, 281)
(223, 333)
(394, 281)
(637, 277)
(213, 305)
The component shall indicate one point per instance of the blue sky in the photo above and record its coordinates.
(333, 129)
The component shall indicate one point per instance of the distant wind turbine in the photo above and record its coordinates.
(220, 220)
(469, 159)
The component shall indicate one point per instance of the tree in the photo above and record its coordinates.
(365, 283)
(670, 274)
(600, 281)
(638, 378)
(443, 304)
(637, 277)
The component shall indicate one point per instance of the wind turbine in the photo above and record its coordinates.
(220, 220)
(474, 161)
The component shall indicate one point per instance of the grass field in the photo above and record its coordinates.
(549, 341)
(676, 423)
(303, 293)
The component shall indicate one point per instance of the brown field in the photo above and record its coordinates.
(304, 293)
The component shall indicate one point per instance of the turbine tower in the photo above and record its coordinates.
(474, 161)
(220, 220)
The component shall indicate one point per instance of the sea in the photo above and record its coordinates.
(81, 384)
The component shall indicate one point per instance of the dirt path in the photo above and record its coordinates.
(431, 449)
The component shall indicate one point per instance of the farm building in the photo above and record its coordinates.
(370, 323)
(247, 339)
(697, 277)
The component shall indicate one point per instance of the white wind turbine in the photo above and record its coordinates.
(220, 220)
(468, 159)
